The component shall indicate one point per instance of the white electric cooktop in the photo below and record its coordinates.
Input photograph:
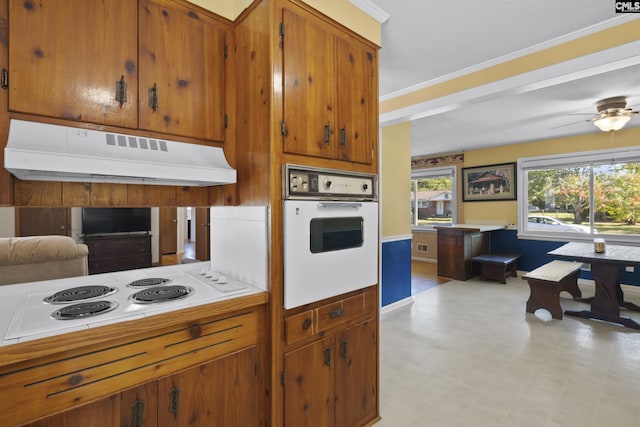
(28, 315)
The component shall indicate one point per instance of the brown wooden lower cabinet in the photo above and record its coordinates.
(333, 381)
(135, 407)
(456, 248)
(197, 370)
(220, 393)
(118, 252)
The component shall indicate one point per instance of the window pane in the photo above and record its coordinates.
(434, 200)
(617, 198)
(559, 200)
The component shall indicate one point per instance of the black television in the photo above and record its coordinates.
(115, 220)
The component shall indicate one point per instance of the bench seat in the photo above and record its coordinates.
(496, 266)
(546, 283)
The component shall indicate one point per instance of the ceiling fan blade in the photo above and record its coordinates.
(569, 124)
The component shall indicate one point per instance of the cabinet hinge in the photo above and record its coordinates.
(226, 121)
(282, 377)
(281, 35)
(225, 51)
(4, 78)
(256, 367)
(283, 128)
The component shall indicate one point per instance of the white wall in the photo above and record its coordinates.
(7, 222)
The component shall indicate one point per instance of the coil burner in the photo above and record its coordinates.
(84, 309)
(151, 281)
(161, 294)
(80, 293)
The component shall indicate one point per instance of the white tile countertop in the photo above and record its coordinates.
(24, 316)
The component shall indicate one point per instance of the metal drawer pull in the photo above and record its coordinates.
(327, 356)
(343, 349)
(336, 313)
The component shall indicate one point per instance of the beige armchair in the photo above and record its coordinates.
(30, 259)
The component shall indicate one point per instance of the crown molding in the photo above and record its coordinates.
(372, 10)
(609, 23)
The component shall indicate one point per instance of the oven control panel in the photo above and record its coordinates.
(328, 184)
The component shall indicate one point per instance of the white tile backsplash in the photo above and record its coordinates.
(239, 243)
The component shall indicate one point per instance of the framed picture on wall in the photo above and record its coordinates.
(489, 183)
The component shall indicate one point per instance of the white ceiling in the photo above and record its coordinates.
(429, 41)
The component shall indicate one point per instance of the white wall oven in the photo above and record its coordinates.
(330, 233)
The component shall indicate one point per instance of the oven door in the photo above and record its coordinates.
(330, 248)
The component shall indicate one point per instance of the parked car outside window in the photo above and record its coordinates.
(546, 223)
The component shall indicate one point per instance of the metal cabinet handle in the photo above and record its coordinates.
(121, 91)
(153, 97)
(327, 356)
(137, 415)
(343, 349)
(343, 136)
(174, 402)
(327, 133)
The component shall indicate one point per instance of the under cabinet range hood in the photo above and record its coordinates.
(45, 152)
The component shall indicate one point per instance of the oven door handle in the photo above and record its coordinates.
(339, 205)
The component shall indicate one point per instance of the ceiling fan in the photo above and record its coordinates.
(612, 114)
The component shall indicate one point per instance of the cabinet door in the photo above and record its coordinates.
(43, 221)
(73, 74)
(308, 70)
(104, 412)
(356, 390)
(135, 407)
(138, 406)
(451, 253)
(308, 385)
(221, 393)
(182, 56)
(356, 89)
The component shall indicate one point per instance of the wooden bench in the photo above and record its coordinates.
(496, 266)
(546, 283)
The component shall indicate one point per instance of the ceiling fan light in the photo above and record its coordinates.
(611, 123)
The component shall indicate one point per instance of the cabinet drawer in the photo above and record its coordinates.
(299, 326)
(339, 312)
(311, 322)
(105, 265)
(118, 247)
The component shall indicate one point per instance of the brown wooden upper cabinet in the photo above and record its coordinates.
(154, 64)
(65, 57)
(329, 91)
(182, 56)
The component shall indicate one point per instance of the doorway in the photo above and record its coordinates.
(184, 235)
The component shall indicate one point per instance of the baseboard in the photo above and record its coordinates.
(396, 305)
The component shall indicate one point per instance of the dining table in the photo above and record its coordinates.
(605, 270)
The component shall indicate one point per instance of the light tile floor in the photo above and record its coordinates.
(467, 354)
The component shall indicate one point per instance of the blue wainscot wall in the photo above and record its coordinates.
(396, 269)
(535, 254)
